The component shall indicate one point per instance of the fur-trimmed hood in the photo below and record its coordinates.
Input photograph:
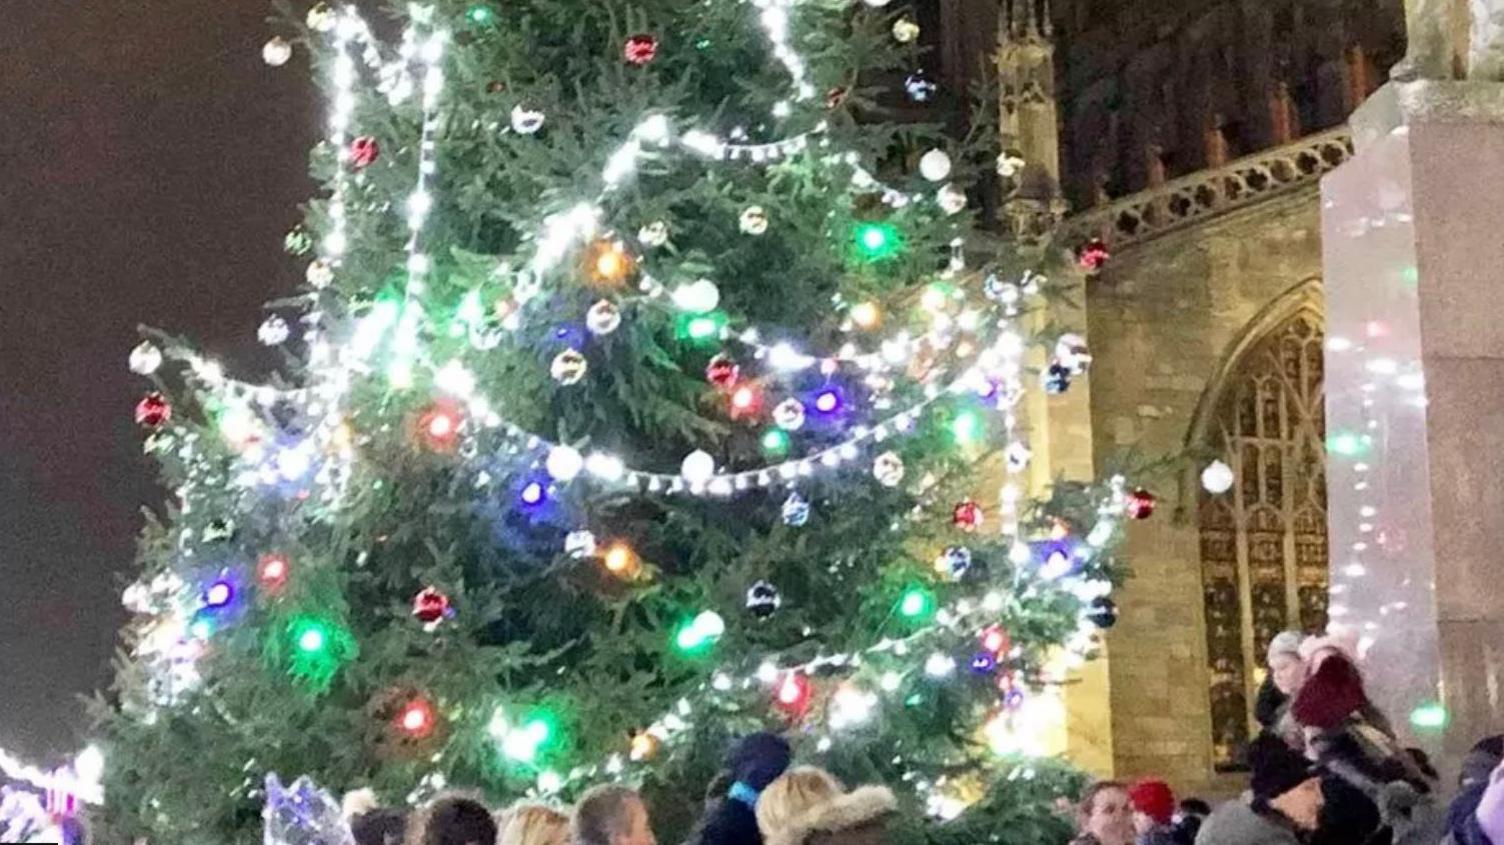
(861, 807)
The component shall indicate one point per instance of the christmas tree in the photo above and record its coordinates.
(643, 393)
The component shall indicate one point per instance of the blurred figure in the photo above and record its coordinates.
(1285, 806)
(1287, 671)
(787, 801)
(453, 820)
(532, 824)
(1477, 775)
(370, 823)
(1105, 816)
(730, 816)
(1153, 812)
(611, 815)
(1189, 817)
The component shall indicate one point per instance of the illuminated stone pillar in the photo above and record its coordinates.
(1413, 257)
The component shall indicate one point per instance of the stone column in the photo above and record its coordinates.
(1414, 266)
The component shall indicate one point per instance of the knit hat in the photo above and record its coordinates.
(759, 759)
(1332, 693)
(1154, 799)
(1277, 768)
(1285, 642)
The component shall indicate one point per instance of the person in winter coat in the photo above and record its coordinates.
(1153, 812)
(858, 817)
(1189, 817)
(1285, 806)
(1105, 816)
(1287, 671)
(754, 762)
(1477, 774)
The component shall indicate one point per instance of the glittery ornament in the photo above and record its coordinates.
(654, 234)
(754, 220)
(153, 411)
(954, 562)
(935, 165)
(835, 96)
(789, 415)
(888, 469)
(603, 318)
(438, 426)
(219, 530)
(274, 331)
(297, 242)
(640, 49)
(495, 86)
(1140, 504)
(905, 30)
(1056, 379)
(1017, 456)
(1071, 353)
(430, 605)
(319, 274)
(983, 663)
(607, 263)
(364, 151)
(967, 515)
(320, 18)
(951, 199)
(763, 599)
(579, 544)
(568, 367)
(276, 52)
(526, 121)
(1000, 290)
(920, 88)
(1103, 612)
(996, 640)
(795, 510)
(722, 372)
(145, 359)
(1010, 163)
(1091, 255)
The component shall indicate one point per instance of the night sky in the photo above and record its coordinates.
(150, 165)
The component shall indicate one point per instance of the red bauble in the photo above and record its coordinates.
(364, 151)
(271, 572)
(722, 372)
(1092, 255)
(967, 516)
(153, 411)
(438, 426)
(1141, 504)
(430, 605)
(792, 693)
(996, 640)
(416, 719)
(640, 48)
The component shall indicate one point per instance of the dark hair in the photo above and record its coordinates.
(1089, 798)
(1195, 807)
(601, 814)
(379, 827)
(457, 820)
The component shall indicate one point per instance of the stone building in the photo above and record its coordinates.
(1188, 135)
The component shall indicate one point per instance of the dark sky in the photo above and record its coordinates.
(150, 164)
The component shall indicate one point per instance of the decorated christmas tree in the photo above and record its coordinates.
(650, 386)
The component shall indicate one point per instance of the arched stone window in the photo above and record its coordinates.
(1264, 542)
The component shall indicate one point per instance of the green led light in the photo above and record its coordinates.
(1431, 715)
(700, 328)
(1346, 444)
(967, 428)
(876, 241)
(700, 632)
(480, 14)
(916, 603)
(775, 442)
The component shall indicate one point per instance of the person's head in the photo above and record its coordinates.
(1106, 812)
(1194, 807)
(793, 795)
(532, 824)
(611, 815)
(378, 827)
(758, 759)
(1285, 780)
(1286, 667)
(1153, 805)
(454, 820)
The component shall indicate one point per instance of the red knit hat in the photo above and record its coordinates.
(1330, 695)
(1154, 799)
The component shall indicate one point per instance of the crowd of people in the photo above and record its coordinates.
(760, 798)
(1326, 769)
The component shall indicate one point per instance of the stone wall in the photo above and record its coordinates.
(1162, 318)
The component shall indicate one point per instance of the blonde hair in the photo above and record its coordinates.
(788, 798)
(531, 824)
